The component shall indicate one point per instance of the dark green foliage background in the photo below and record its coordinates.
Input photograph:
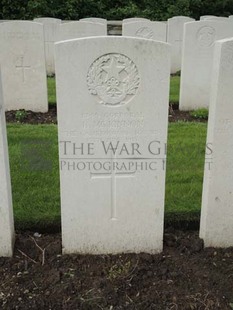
(113, 10)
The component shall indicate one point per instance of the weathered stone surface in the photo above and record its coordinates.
(94, 20)
(112, 116)
(175, 30)
(6, 210)
(50, 34)
(80, 29)
(197, 62)
(217, 213)
(146, 29)
(134, 19)
(23, 66)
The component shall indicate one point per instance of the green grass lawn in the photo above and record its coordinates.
(36, 194)
(35, 191)
(51, 90)
(174, 90)
(185, 167)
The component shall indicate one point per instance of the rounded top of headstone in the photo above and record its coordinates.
(134, 19)
(181, 17)
(94, 20)
(47, 20)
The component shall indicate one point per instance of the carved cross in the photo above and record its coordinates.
(113, 175)
(22, 67)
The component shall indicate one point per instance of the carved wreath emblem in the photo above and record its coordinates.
(113, 79)
(206, 36)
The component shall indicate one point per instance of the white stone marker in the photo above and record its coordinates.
(175, 29)
(217, 213)
(217, 18)
(94, 20)
(199, 38)
(23, 66)
(6, 210)
(206, 17)
(146, 29)
(134, 19)
(50, 34)
(81, 29)
(108, 92)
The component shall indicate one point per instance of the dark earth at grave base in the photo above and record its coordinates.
(184, 276)
(51, 117)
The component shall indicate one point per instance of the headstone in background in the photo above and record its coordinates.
(94, 20)
(217, 213)
(112, 116)
(6, 210)
(74, 30)
(206, 17)
(134, 19)
(175, 30)
(217, 18)
(23, 66)
(146, 29)
(50, 34)
(197, 62)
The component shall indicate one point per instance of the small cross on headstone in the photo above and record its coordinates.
(22, 67)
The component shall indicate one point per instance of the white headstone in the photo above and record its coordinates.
(206, 17)
(68, 21)
(6, 211)
(199, 39)
(109, 95)
(217, 213)
(78, 29)
(175, 29)
(23, 66)
(94, 20)
(217, 18)
(134, 19)
(50, 34)
(146, 29)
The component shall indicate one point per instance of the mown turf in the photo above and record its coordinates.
(51, 90)
(35, 181)
(185, 166)
(35, 175)
(174, 90)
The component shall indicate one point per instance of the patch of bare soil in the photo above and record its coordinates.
(51, 116)
(33, 118)
(184, 276)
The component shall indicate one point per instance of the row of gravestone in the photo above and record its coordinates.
(170, 31)
(25, 44)
(56, 30)
(112, 121)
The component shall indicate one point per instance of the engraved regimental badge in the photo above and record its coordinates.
(206, 36)
(113, 79)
